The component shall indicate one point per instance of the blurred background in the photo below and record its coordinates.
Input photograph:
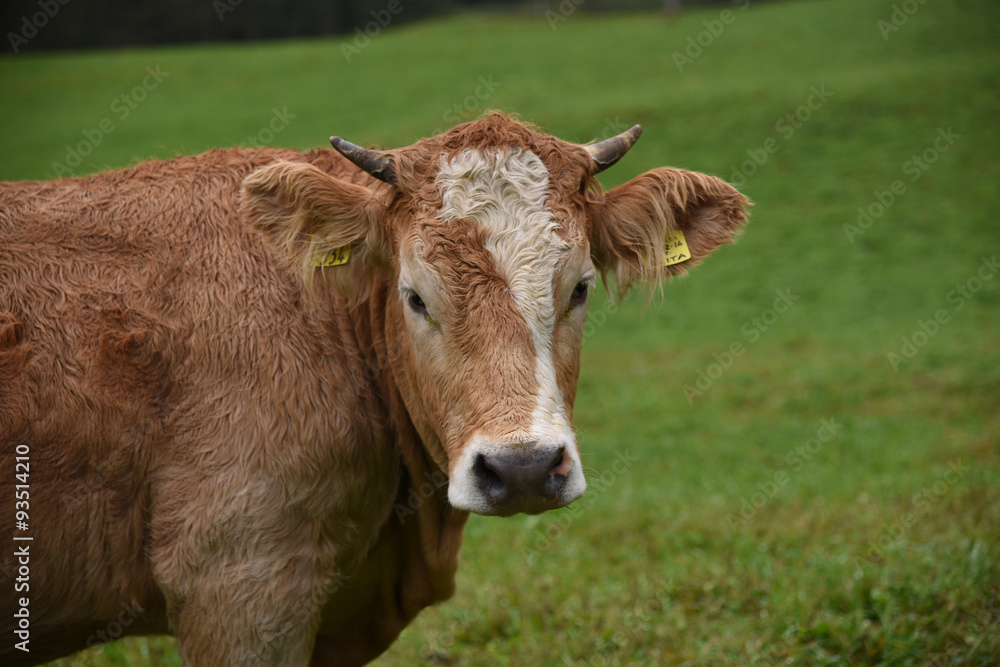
(805, 429)
(115, 23)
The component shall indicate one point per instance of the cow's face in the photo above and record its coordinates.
(491, 237)
(493, 278)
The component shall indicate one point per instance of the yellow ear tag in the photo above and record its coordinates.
(675, 248)
(334, 257)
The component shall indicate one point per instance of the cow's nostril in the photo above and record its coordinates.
(489, 481)
(560, 468)
(561, 463)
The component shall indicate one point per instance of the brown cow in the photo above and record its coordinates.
(223, 378)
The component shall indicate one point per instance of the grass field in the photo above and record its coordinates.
(806, 430)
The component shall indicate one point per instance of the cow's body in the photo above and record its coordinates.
(180, 404)
(216, 447)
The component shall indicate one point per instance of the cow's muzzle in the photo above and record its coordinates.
(511, 478)
(523, 480)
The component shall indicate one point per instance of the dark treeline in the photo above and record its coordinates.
(34, 25)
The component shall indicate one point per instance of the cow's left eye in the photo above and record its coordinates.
(579, 294)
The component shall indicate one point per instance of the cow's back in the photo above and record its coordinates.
(162, 370)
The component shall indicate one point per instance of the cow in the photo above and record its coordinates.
(250, 397)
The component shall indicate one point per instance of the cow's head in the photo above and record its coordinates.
(484, 244)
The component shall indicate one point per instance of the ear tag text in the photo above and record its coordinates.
(675, 248)
(334, 257)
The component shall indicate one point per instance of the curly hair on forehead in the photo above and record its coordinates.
(569, 165)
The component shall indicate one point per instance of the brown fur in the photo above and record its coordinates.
(219, 432)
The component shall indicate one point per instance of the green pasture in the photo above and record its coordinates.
(794, 451)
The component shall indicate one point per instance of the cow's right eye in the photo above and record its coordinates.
(417, 304)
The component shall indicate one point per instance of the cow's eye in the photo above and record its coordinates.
(417, 304)
(579, 294)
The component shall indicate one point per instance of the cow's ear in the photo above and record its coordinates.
(634, 227)
(325, 229)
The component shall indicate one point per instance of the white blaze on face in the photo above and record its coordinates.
(506, 191)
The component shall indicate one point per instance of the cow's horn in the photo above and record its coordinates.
(375, 163)
(609, 151)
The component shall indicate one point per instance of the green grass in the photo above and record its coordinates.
(869, 550)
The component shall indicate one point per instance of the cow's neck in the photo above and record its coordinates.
(413, 561)
(423, 484)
